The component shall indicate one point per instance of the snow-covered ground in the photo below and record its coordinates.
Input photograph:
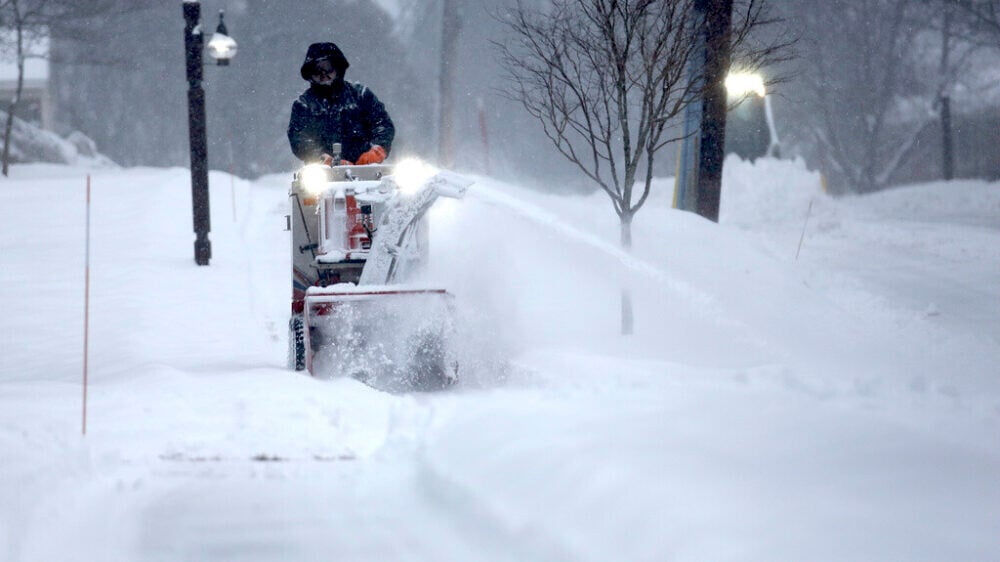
(844, 405)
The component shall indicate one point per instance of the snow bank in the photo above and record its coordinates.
(32, 144)
(767, 192)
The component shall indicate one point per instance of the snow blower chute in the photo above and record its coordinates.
(358, 233)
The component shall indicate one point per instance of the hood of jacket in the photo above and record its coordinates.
(321, 51)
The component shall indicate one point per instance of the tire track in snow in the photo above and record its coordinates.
(485, 522)
(471, 520)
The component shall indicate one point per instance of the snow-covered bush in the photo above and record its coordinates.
(29, 143)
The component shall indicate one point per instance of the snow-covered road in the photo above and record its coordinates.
(845, 406)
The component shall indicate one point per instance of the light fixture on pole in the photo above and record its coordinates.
(740, 85)
(221, 48)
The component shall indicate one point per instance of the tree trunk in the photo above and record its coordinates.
(628, 317)
(9, 127)
(451, 22)
(947, 145)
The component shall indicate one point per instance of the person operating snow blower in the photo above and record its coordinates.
(358, 236)
(335, 111)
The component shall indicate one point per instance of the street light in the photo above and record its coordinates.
(740, 85)
(221, 48)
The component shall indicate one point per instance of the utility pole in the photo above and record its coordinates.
(718, 23)
(699, 178)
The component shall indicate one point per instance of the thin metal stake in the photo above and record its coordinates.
(232, 190)
(86, 309)
(806, 223)
(232, 175)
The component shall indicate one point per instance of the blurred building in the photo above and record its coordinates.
(35, 106)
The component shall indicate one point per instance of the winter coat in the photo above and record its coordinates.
(344, 112)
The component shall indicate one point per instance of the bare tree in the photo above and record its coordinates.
(956, 51)
(867, 97)
(605, 78)
(603, 84)
(17, 17)
(981, 19)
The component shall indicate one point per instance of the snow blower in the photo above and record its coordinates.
(358, 234)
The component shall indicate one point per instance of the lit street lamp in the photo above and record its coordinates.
(741, 85)
(221, 48)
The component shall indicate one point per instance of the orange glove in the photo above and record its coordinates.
(374, 156)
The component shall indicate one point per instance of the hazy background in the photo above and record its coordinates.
(860, 103)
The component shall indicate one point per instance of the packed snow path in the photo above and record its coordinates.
(843, 406)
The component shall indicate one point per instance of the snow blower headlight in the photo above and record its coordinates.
(412, 174)
(314, 178)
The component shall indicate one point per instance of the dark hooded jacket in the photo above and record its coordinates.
(344, 112)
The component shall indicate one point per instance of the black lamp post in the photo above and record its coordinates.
(222, 48)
